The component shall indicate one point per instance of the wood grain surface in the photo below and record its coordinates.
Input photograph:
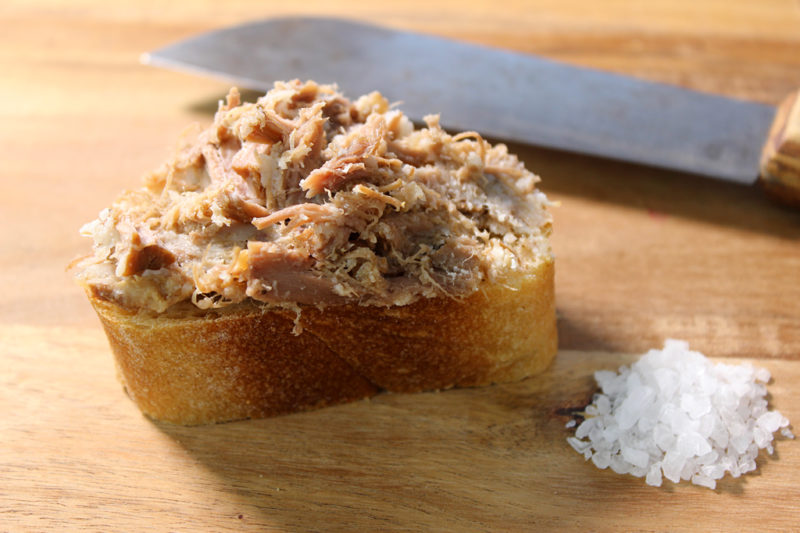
(642, 255)
(78, 455)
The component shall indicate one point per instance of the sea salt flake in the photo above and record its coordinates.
(747, 466)
(604, 378)
(619, 465)
(603, 405)
(611, 433)
(667, 381)
(674, 414)
(663, 437)
(692, 444)
(654, 475)
(741, 389)
(638, 471)
(709, 458)
(762, 375)
(672, 465)
(673, 345)
(688, 470)
(635, 457)
(585, 427)
(695, 405)
(761, 437)
(715, 471)
(596, 434)
(770, 421)
(719, 436)
(705, 481)
(601, 460)
(741, 442)
(634, 406)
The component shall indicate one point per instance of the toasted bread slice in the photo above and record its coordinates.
(306, 250)
(246, 361)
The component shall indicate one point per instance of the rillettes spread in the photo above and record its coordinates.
(306, 197)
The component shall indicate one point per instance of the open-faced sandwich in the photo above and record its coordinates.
(306, 250)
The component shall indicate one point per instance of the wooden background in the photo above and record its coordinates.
(642, 255)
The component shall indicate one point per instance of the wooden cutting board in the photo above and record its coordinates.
(642, 255)
(76, 452)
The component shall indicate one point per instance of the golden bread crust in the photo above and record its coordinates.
(244, 361)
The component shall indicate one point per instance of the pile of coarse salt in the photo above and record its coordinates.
(675, 413)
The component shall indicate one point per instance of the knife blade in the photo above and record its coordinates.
(503, 94)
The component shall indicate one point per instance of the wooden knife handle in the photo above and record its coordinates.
(780, 159)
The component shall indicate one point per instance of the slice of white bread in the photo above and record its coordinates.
(306, 250)
(244, 361)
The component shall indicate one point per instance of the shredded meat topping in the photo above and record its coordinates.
(306, 197)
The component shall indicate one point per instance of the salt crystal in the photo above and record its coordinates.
(603, 405)
(601, 460)
(676, 345)
(761, 437)
(619, 465)
(635, 457)
(654, 475)
(611, 433)
(707, 384)
(663, 437)
(740, 389)
(585, 427)
(719, 436)
(672, 465)
(604, 378)
(705, 481)
(681, 423)
(770, 421)
(695, 405)
(741, 442)
(707, 424)
(633, 406)
(688, 470)
(692, 444)
(747, 466)
(727, 462)
(596, 434)
(708, 458)
(736, 427)
(762, 375)
(675, 414)
(715, 471)
(667, 380)
(647, 421)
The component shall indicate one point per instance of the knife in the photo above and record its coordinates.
(512, 96)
